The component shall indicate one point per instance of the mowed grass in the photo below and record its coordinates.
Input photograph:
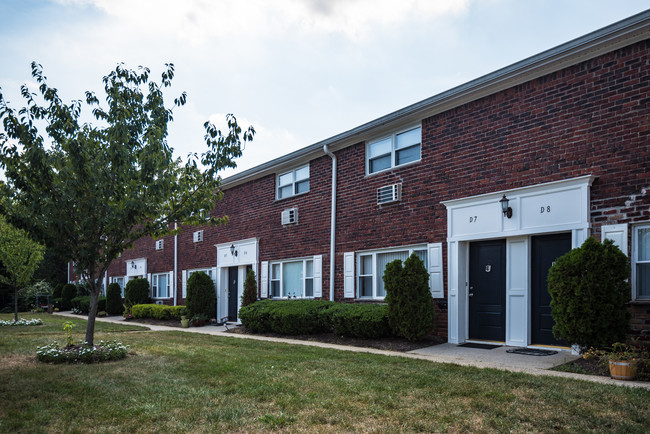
(183, 382)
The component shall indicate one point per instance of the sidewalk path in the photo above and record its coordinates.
(443, 353)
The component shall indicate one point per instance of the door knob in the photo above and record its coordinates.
(471, 294)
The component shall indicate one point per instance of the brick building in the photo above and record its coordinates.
(562, 136)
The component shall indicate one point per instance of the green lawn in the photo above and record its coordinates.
(180, 382)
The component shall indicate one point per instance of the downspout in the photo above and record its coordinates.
(333, 223)
(175, 264)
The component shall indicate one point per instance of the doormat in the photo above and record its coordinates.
(480, 346)
(531, 352)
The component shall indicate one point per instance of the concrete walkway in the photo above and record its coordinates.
(496, 358)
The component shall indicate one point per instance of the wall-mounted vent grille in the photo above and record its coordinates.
(198, 236)
(159, 302)
(159, 244)
(290, 216)
(389, 194)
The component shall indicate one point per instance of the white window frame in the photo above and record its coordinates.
(374, 254)
(209, 271)
(154, 286)
(635, 261)
(115, 279)
(294, 182)
(393, 150)
(279, 279)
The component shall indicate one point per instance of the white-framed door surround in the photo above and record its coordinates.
(246, 253)
(560, 206)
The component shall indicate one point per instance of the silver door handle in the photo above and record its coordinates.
(471, 294)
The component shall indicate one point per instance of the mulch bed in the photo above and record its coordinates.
(391, 344)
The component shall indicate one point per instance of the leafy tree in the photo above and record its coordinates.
(94, 189)
(589, 290)
(200, 295)
(250, 289)
(410, 305)
(20, 257)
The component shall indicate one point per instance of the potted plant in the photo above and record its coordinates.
(199, 320)
(622, 359)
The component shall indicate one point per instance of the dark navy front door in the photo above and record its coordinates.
(487, 290)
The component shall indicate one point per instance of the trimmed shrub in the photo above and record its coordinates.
(250, 289)
(114, 299)
(589, 290)
(410, 305)
(83, 303)
(136, 292)
(367, 321)
(68, 292)
(58, 289)
(82, 289)
(157, 311)
(201, 298)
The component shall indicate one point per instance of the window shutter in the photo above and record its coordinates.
(435, 270)
(264, 280)
(170, 284)
(348, 275)
(318, 276)
(150, 284)
(616, 233)
(184, 283)
(213, 275)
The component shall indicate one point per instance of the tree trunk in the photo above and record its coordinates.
(16, 304)
(90, 329)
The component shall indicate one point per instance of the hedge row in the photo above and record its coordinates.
(83, 303)
(294, 317)
(157, 311)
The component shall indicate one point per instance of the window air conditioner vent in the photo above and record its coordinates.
(198, 236)
(159, 244)
(389, 194)
(290, 216)
(159, 302)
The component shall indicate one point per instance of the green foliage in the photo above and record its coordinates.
(83, 289)
(589, 290)
(20, 257)
(136, 291)
(102, 352)
(68, 292)
(157, 311)
(82, 303)
(410, 305)
(250, 289)
(298, 317)
(58, 289)
(114, 299)
(201, 298)
(91, 190)
(67, 328)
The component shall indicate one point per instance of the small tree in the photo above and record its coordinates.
(201, 298)
(250, 289)
(410, 305)
(58, 289)
(20, 257)
(589, 290)
(114, 299)
(68, 292)
(136, 292)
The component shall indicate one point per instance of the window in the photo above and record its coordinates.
(209, 271)
(119, 281)
(641, 262)
(293, 183)
(292, 279)
(371, 268)
(160, 285)
(396, 150)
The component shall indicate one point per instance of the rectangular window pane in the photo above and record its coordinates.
(409, 138)
(379, 148)
(309, 269)
(292, 279)
(162, 286)
(365, 286)
(285, 179)
(366, 265)
(309, 287)
(643, 280)
(407, 155)
(379, 163)
(275, 288)
(275, 271)
(644, 244)
(302, 173)
(384, 259)
(422, 254)
(285, 191)
(302, 187)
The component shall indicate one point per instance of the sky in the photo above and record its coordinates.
(299, 71)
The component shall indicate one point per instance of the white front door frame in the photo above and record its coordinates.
(561, 206)
(245, 252)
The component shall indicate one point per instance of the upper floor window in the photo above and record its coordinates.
(641, 262)
(395, 150)
(293, 183)
(292, 279)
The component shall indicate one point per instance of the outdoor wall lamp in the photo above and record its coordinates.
(133, 264)
(233, 252)
(507, 211)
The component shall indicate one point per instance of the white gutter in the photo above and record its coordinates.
(333, 224)
(175, 264)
